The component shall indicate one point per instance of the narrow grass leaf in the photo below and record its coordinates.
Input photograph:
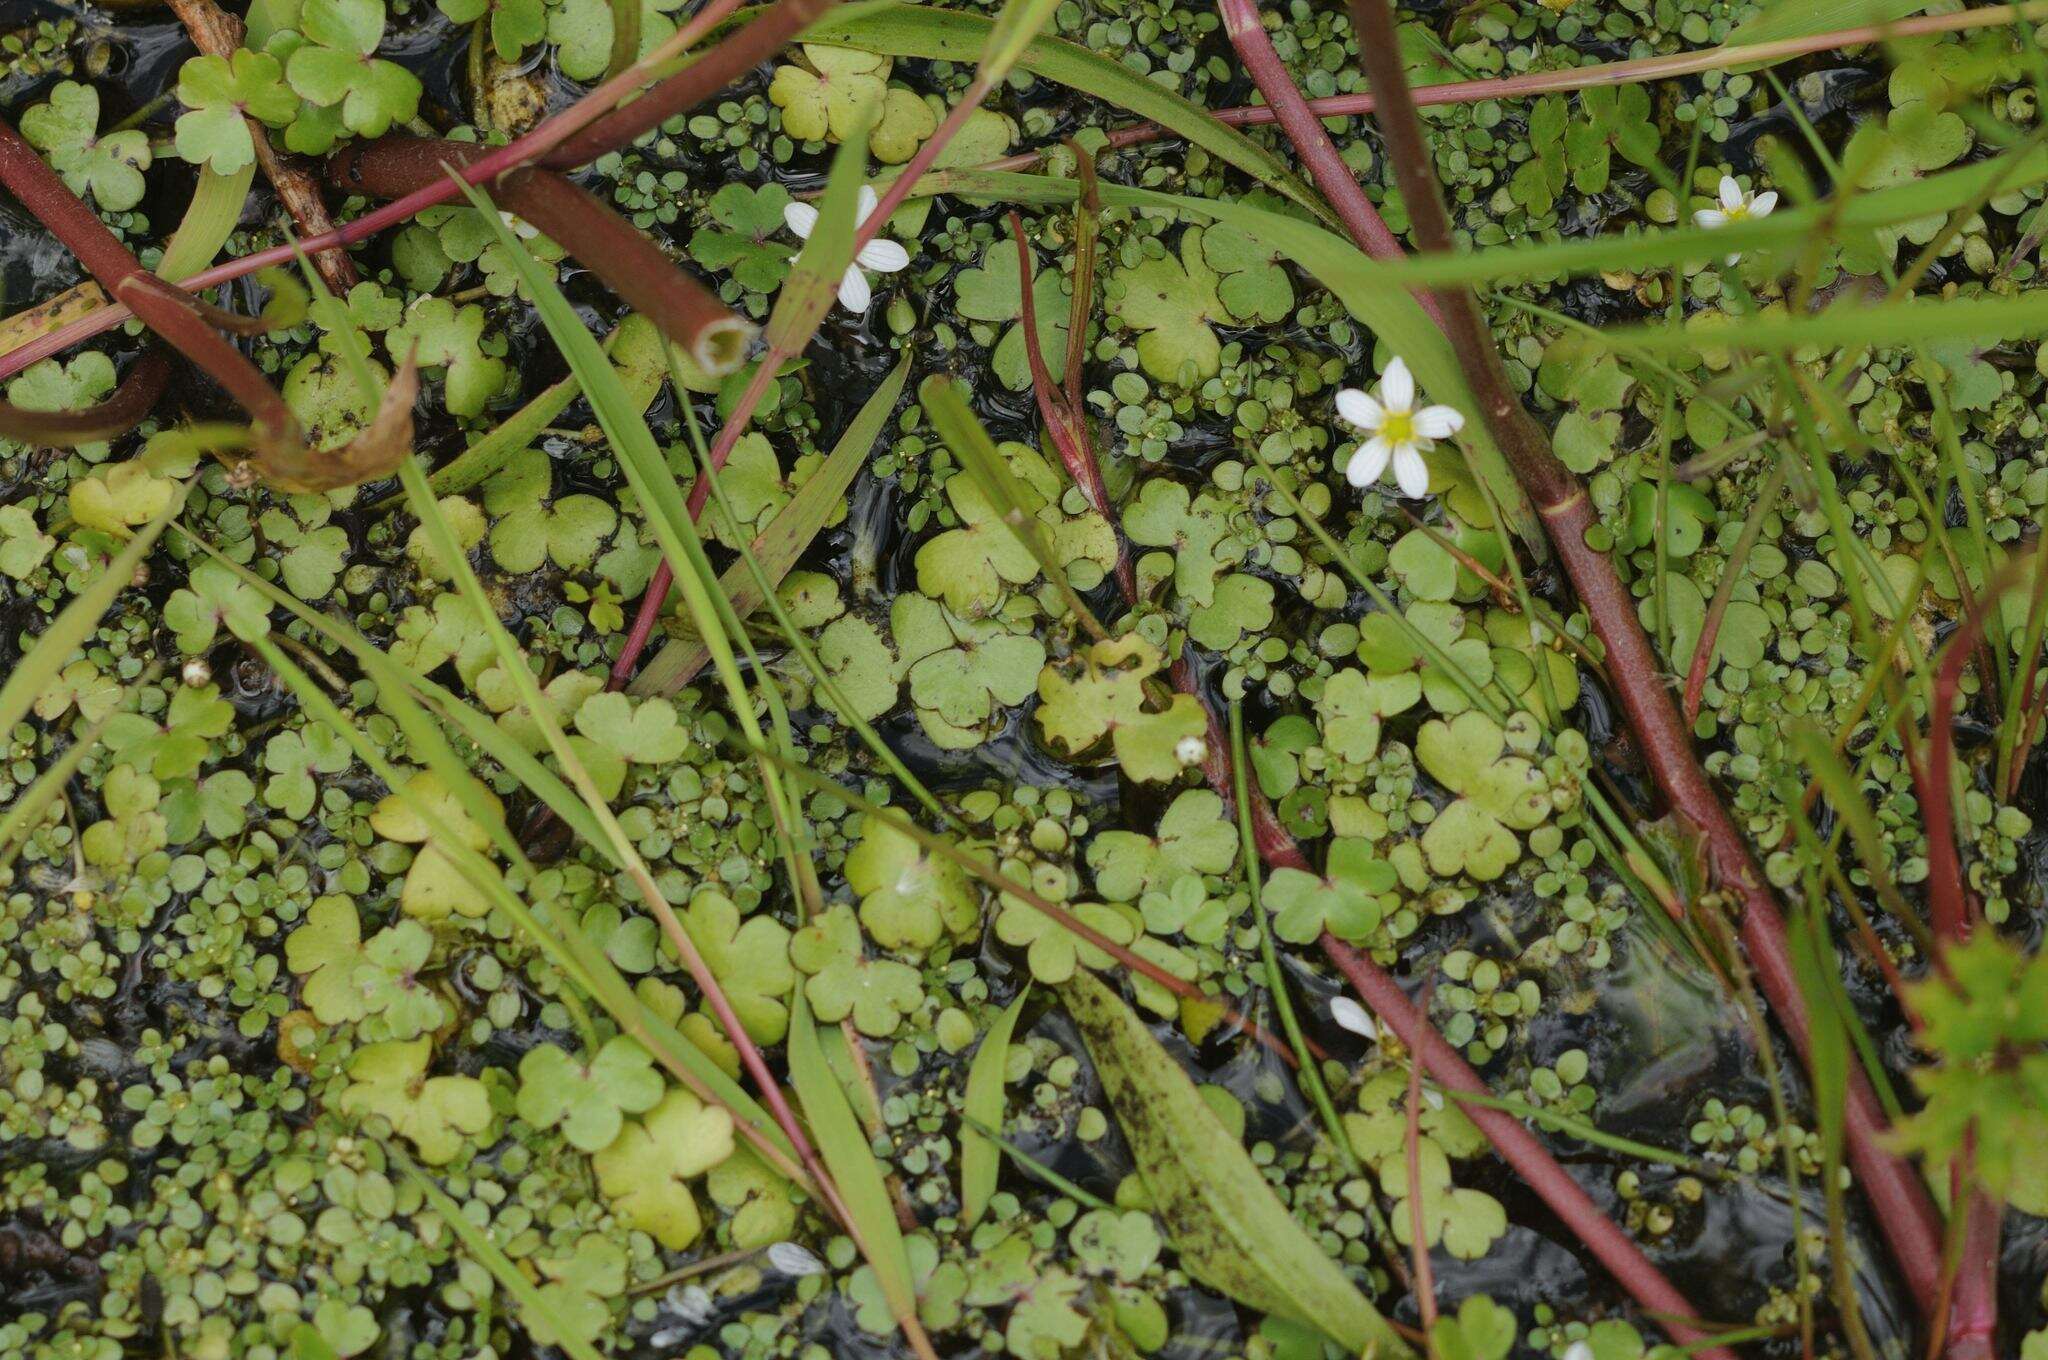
(980, 1158)
(1015, 29)
(813, 283)
(52, 648)
(532, 1302)
(793, 529)
(1783, 19)
(1232, 1233)
(851, 1161)
(210, 218)
(950, 35)
(635, 348)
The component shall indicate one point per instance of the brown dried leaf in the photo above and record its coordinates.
(285, 462)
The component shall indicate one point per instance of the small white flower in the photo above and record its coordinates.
(1578, 1350)
(1190, 751)
(518, 226)
(1350, 1015)
(1736, 206)
(884, 257)
(692, 1303)
(793, 1260)
(1399, 434)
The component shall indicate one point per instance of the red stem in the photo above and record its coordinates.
(779, 353)
(1973, 1314)
(630, 263)
(1246, 29)
(160, 306)
(1613, 1248)
(124, 410)
(1904, 1211)
(1062, 421)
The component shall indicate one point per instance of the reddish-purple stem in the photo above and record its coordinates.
(607, 244)
(1904, 1211)
(127, 408)
(1062, 421)
(1246, 29)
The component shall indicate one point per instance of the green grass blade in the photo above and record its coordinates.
(1802, 18)
(851, 1161)
(1984, 320)
(52, 648)
(813, 283)
(980, 1158)
(27, 809)
(1011, 35)
(478, 1244)
(950, 35)
(635, 348)
(778, 547)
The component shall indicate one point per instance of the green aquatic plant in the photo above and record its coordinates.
(1194, 811)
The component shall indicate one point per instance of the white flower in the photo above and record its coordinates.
(1350, 1015)
(1736, 206)
(518, 226)
(1400, 434)
(884, 257)
(1578, 1350)
(793, 1260)
(1190, 751)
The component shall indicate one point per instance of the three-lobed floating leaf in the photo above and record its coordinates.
(1221, 1216)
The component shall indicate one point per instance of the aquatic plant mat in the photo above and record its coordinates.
(840, 678)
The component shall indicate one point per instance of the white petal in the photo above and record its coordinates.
(800, 218)
(1368, 461)
(1411, 472)
(854, 293)
(791, 1259)
(1432, 1098)
(884, 257)
(1731, 193)
(1578, 1350)
(1356, 408)
(866, 203)
(1439, 422)
(1397, 386)
(1710, 218)
(1350, 1015)
(1761, 205)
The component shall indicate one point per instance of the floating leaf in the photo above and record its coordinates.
(980, 1158)
(1221, 1216)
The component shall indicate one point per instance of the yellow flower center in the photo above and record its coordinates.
(1398, 427)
